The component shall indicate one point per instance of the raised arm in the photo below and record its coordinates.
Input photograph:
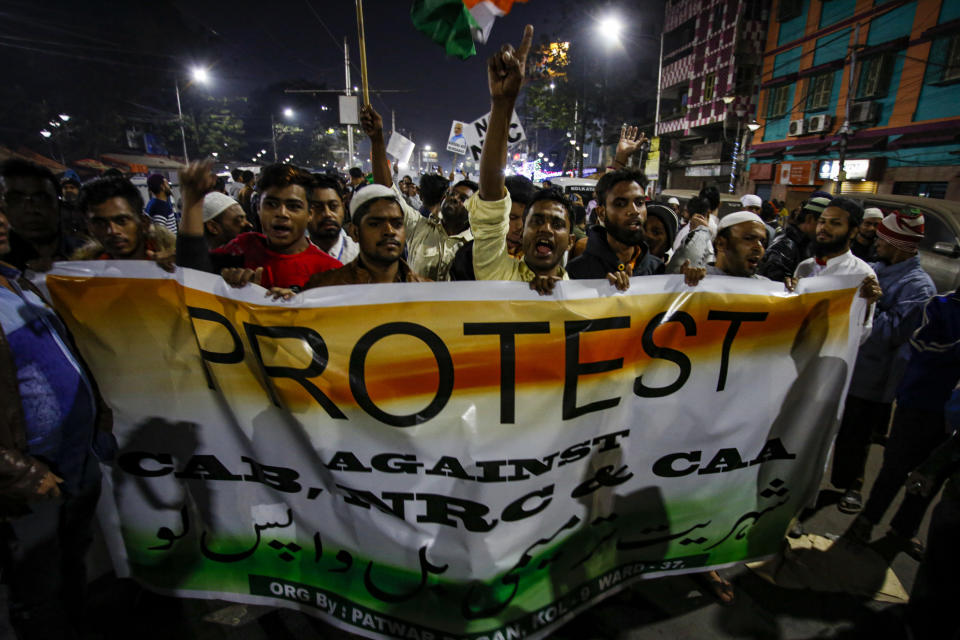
(196, 180)
(505, 71)
(192, 252)
(372, 125)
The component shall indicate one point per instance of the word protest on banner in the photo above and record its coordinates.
(457, 142)
(476, 131)
(400, 147)
(455, 461)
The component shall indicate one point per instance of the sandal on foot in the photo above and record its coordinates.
(851, 502)
(718, 586)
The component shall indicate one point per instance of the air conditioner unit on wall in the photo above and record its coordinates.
(819, 124)
(797, 128)
(861, 112)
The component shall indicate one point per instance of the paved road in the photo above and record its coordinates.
(669, 608)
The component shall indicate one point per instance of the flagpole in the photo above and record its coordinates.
(363, 53)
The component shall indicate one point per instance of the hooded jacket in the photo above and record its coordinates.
(787, 250)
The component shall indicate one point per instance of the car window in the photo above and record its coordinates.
(935, 230)
(729, 207)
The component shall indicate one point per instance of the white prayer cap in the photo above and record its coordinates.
(872, 213)
(736, 218)
(367, 193)
(751, 200)
(673, 201)
(215, 203)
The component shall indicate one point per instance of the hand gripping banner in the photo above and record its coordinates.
(452, 461)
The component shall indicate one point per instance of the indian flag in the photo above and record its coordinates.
(458, 24)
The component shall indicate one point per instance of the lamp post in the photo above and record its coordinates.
(198, 74)
(287, 113)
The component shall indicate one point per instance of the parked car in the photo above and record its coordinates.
(729, 203)
(940, 247)
(581, 186)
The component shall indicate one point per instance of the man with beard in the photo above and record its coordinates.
(864, 243)
(432, 243)
(836, 227)
(223, 219)
(326, 220)
(159, 208)
(739, 248)
(618, 245)
(792, 246)
(882, 359)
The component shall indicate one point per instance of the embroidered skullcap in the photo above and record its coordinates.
(902, 229)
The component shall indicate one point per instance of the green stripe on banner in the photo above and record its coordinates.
(365, 619)
(448, 23)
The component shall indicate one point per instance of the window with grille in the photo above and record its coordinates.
(789, 9)
(708, 85)
(717, 18)
(951, 66)
(819, 90)
(777, 101)
(873, 81)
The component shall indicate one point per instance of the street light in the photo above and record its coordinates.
(64, 117)
(45, 133)
(199, 74)
(610, 27)
(287, 113)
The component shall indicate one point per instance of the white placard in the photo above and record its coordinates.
(456, 141)
(349, 110)
(400, 147)
(476, 131)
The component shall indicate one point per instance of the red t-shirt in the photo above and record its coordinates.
(279, 269)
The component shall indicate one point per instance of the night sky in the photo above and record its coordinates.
(259, 44)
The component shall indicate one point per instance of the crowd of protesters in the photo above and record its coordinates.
(288, 230)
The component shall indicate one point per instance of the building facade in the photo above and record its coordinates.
(710, 70)
(893, 65)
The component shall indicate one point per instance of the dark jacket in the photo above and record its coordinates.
(20, 473)
(355, 273)
(22, 252)
(598, 259)
(787, 250)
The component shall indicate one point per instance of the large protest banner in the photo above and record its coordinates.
(455, 460)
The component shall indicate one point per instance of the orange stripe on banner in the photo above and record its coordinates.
(134, 318)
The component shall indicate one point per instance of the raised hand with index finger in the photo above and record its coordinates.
(505, 69)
